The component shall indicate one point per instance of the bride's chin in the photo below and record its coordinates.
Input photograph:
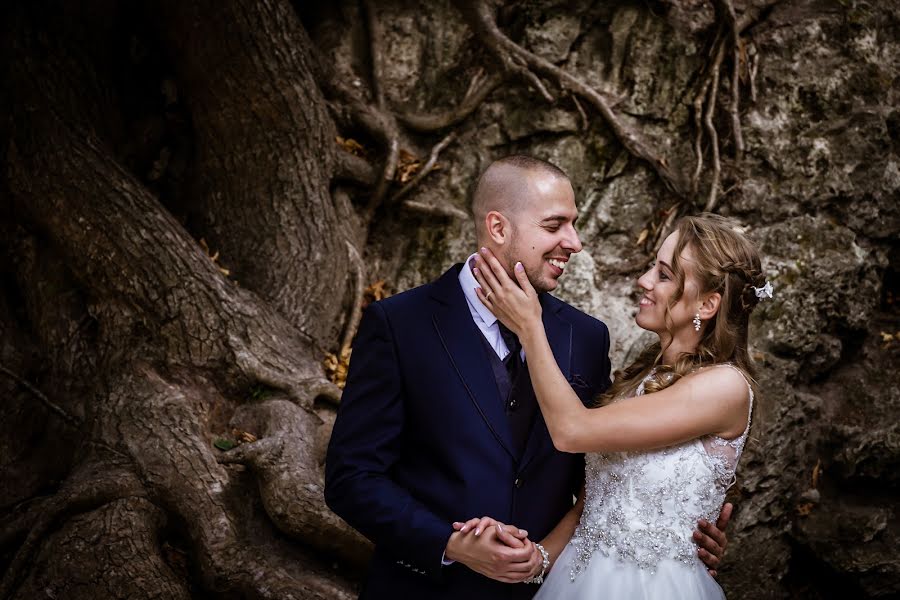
(641, 322)
(648, 326)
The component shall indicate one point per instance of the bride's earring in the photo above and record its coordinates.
(697, 322)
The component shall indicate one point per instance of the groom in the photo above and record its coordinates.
(438, 423)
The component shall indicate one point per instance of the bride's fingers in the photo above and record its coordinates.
(487, 272)
(484, 523)
(468, 525)
(496, 268)
(508, 538)
(482, 281)
(522, 279)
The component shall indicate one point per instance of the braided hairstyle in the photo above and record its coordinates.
(724, 261)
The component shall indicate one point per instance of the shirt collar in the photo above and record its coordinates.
(468, 283)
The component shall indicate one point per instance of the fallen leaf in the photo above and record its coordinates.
(336, 367)
(375, 292)
(243, 437)
(350, 145)
(224, 444)
(642, 237)
(805, 508)
(407, 166)
(817, 470)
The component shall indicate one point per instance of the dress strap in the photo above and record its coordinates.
(750, 392)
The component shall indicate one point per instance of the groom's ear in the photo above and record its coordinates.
(498, 227)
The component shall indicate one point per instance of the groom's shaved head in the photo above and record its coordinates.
(505, 185)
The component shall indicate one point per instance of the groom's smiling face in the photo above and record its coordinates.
(543, 233)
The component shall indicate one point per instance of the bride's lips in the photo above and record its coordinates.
(645, 301)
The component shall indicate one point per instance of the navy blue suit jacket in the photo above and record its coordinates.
(421, 439)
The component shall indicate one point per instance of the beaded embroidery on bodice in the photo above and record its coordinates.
(642, 507)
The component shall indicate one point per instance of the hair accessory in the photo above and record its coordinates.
(764, 291)
(697, 322)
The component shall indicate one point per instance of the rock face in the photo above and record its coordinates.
(817, 188)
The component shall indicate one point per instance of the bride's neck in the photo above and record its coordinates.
(675, 347)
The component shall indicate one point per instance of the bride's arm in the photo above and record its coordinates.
(713, 401)
(557, 539)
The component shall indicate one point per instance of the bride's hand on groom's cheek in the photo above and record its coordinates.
(513, 300)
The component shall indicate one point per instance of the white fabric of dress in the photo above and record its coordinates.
(641, 508)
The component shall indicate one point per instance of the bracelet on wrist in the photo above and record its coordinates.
(545, 564)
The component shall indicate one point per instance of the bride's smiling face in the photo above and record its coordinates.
(660, 287)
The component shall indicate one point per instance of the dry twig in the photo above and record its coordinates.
(68, 418)
(426, 168)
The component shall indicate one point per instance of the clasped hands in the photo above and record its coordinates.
(494, 549)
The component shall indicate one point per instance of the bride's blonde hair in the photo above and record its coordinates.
(724, 261)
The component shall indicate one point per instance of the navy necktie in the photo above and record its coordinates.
(513, 360)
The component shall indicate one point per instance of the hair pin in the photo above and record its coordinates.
(764, 291)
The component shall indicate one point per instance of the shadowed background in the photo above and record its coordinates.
(198, 198)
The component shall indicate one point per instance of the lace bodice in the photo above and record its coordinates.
(642, 507)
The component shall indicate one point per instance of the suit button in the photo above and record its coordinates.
(518, 482)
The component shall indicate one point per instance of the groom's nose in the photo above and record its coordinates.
(571, 242)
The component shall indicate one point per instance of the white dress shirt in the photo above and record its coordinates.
(485, 320)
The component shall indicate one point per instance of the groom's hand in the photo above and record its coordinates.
(495, 553)
(712, 539)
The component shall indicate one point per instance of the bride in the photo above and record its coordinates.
(664, 443)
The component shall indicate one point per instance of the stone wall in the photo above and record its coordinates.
(817, 511)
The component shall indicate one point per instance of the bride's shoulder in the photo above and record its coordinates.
(724, 381)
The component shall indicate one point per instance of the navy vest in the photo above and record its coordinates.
(519, 401)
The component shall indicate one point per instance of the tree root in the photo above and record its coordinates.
(711, 129)
(291, 483)
(391, 131)
(112, 551)
(479, 89)
(728, 34)
(86, 489)
(433, 210)
(726, 7)
(160, 422)
(479, 16)
(354, 169)
(698, 136)
(359, 285)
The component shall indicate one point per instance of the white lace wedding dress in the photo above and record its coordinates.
(641, 508)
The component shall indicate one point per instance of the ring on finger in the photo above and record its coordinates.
(488, 295)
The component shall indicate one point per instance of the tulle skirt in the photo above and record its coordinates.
(607, 578)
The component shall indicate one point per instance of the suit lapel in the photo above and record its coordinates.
(559, 334)
(461, 339)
